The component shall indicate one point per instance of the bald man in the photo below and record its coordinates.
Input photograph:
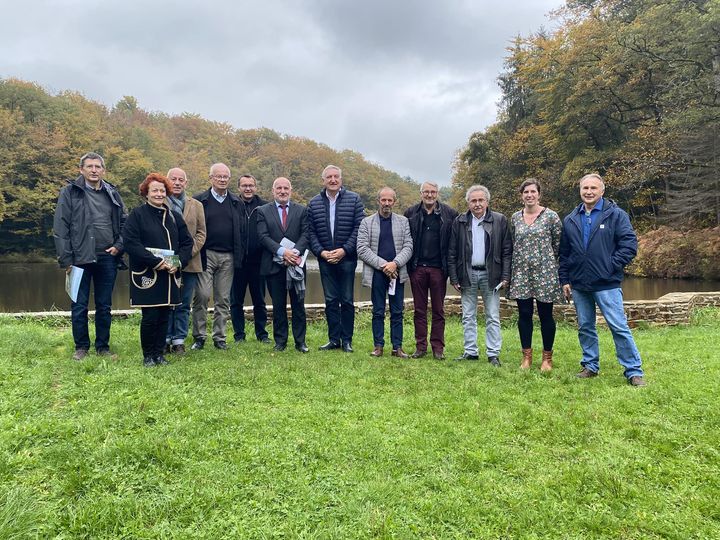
(194, 215)
(278, 220)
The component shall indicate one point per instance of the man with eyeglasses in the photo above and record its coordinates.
(430, 226)
(89, 217)
(222, 256)
(479, 259)
(250, 277)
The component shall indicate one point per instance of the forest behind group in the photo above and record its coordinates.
(629, 89)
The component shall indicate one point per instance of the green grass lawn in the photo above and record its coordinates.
(254, 444)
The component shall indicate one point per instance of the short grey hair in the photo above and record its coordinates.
(218, 165)
(596, 176)
(326, 169)
(477, 187)
(433, 184)
(176, 168)
(91, 155)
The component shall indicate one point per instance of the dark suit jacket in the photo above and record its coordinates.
(270, 232)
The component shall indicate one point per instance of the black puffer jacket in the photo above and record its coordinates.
(73, 227)
(349, 212)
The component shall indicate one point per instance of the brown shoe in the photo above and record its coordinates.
(399, 353)
(79, 354)
(377, 352)
(637, 380)
(586, 374)
(546, 364)
(179, 349)
(527, 359)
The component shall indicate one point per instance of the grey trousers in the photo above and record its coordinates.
(217, 279)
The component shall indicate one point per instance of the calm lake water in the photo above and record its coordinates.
(41, 287)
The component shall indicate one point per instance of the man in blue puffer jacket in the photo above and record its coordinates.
(597, 243)
(334, 216)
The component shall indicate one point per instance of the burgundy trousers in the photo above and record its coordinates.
(424, 280)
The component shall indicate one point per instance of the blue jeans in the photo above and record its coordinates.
(378, 292)
(610, 303)
(177, 329)
(103, 274)
(338, 281)
(491, 305)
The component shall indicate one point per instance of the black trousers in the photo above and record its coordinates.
(248, 277)
(277, 287)
(525, 322)
(153, 328)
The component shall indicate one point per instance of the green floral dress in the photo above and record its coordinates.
(535, 256)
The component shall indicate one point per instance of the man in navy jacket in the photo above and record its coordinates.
(597, 243)
(334, 216)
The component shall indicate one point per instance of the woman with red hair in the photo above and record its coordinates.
(159, 245)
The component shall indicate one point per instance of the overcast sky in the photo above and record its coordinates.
(403, 82)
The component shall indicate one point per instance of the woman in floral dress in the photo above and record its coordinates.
(536, 239)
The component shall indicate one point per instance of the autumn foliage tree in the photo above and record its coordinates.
(44, 135)
(626, 88)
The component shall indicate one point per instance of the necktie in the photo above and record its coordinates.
(284, 216)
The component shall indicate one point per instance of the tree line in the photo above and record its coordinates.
(44, 135)
(626, 88)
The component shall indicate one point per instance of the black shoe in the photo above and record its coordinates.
(103, 352)
(220, 345)
(347, 347)
(168, 348)
(329, 346)
(239, 339)
(466, 356)
(79, 354)
(419, 354)
(279, 347)
(265, 340)
(149, 361)
(199, 345)
(179, 349)
(438, 356)
(161, 361)
(494, 361)
(301, 347)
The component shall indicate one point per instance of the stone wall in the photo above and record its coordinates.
(668, 310)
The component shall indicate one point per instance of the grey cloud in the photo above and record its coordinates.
(403, 82)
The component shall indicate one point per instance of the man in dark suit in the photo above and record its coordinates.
(281, 265)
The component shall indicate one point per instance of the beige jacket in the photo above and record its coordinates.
(194, 216)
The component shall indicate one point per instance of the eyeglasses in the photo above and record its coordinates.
(221, 176)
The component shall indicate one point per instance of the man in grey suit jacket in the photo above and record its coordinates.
(275, 221)
(384, 245)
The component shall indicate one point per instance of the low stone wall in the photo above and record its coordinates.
(668, 310)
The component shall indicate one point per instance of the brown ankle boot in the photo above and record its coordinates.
(546, 364)
(527, 359)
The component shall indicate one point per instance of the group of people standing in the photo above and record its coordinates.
(182, 249)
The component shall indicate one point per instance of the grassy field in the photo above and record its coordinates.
(254, 444)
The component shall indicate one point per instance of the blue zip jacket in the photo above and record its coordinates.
(612, 246)
(349, 212)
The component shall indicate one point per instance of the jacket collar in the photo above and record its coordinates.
(323, 193)
(467, 216)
